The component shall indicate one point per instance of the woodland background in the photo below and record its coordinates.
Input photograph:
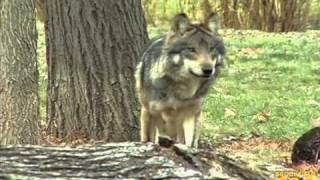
(77, 85)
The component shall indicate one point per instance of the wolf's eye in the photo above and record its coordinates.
(212, 49)
(189, 53)
(213, 54)
(191, 49)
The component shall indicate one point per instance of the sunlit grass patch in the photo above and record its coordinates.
(267, 73)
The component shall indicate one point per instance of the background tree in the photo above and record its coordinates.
(93, 47)
(266, 15)
(18, 73)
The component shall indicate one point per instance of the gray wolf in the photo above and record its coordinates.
(173, 77)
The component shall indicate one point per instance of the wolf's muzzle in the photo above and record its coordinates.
(206, 69)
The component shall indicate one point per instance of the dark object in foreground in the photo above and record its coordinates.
(165, 142)
(117, 161)
(307, 147)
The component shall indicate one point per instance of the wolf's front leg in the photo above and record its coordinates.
(191, 128)
(145, 123)
(166, 132)
(180, 131)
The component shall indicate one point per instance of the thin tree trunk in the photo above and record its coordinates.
(18, 73)
(93, 47)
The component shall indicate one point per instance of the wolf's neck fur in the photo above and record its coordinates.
(186, 90)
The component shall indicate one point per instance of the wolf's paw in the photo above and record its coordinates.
(165, 141)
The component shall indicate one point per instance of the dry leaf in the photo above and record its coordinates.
(220, 89)
(249, 51)
(315, 122)
(274, 145)
(262, 116)
(312, 102)
(229, 113)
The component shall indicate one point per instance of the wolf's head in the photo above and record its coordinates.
(195, 48)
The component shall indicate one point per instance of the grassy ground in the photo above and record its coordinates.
(270, 87)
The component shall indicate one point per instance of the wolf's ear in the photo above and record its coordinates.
(180, 23)
(212, 22)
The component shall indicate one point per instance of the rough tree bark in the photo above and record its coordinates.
(119, 161)
(18, 73)
(92, 50)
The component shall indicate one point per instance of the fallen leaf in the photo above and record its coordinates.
(229, 113)
(274, 145)
(315, 122)
(249, 51)
(312, 102)
(262, 117)
(220, 89)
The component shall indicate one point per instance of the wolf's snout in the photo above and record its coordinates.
(207, 69)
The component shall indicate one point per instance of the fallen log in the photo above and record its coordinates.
(117, 161)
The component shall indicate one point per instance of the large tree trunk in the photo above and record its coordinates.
(93, 47)
(40, 10)
(18, 73)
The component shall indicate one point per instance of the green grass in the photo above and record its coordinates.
(266, 73)
(280, 78)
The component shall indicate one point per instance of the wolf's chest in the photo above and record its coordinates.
(170, 103)
(185, 91)
(175, 95)
(180, 91)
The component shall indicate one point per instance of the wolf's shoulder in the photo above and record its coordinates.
(153, 48)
